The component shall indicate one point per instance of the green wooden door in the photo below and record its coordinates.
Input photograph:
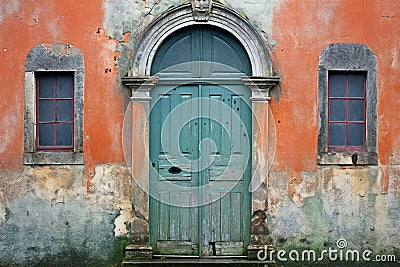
(200, 136)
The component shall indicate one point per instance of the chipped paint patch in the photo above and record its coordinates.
(395, 57)
(338, 202)
(327, 10)
(57, 183)
(112, 188)
(8, 8)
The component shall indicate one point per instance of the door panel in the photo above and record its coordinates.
(172, 150)
(223, 220)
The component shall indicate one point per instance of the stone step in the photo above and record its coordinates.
(197, 263)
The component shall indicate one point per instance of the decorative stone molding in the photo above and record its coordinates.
(201, 9)
(260, 87)
(221, 17)
(140, 87)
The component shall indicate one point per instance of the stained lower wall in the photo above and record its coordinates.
(48, 219)
(313, 210)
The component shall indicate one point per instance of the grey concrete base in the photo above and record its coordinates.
(198, 263)
(138, 252)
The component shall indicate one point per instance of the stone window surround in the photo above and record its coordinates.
(53, 57)
(347, 57)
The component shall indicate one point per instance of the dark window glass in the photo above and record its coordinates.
(64, 86)
(46, 86)
(346, 110)
(356, 110)
(338, 110)
(356, 85)
(55, 113)
(46, 134)
(64, 135)
(46, 110)
(337, 134)
(64, 110)
(337, 84)
(356, 134)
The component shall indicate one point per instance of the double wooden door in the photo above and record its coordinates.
(200, 154)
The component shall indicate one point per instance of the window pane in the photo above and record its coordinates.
(64, 110)
(356, 110)
(337, 134)
(337, 110)
(46, 134)
(46, 85)
(356, 134)
(64, 134)
(46, 110)
(356, 84)
(64, 85)
(337, 83)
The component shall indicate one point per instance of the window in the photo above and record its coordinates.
(347, 105)
(54, 84)
(55, 112)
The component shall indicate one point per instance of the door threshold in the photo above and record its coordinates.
(198, 257)
(224, 257)
(176, 256)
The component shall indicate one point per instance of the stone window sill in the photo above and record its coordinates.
(53, 158)
(347, 158)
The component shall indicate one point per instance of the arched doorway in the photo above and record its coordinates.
(200, 145)
(237, 37)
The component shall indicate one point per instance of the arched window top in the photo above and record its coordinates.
(347, 56)
(198, 44)
(52, 57)
(220, 17)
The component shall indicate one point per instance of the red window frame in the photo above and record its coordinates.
(54, 147)
(347, 147)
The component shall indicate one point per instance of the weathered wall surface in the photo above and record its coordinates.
(60, 214)
(311, 206)
(48, 219)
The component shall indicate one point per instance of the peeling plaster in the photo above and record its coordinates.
(8, 8)
(327, 11)
(260, 13)
(336, 203)
(124, 17)
(112, 188)
(395, 57)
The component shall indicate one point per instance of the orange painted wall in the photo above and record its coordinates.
(26, 24)
(301, 30)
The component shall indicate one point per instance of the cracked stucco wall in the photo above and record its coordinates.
(125, 21)
(315, 209)
(48, 219)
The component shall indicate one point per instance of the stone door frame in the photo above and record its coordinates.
(141, 84)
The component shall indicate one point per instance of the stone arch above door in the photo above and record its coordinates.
(221, 17)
